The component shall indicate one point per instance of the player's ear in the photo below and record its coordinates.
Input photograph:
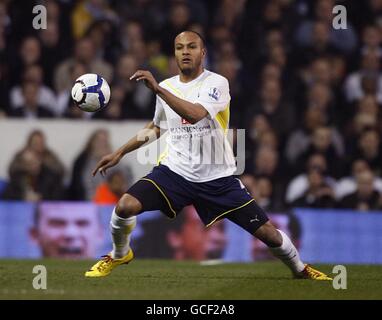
(204, 52)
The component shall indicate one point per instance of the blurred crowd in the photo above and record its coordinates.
(308, 95)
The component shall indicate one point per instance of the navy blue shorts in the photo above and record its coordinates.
(165, 190)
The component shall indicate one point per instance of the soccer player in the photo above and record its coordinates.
(192, 106)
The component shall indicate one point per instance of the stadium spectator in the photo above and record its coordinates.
(366, 197)
(361, 122)
(131, 33)
(338, 69)
(46, 97)
(259, 125)
(368, 105)
(110, 191)
(156, 60)
(83, 185)
(318, 194)
(373, 13)
(36, 142)
(279, 113)
(179, 19)
(86, 12)
(267, 165)
(298, 186)
(342, 39)
(300, 139)
(318, 71)
(53, 48)
(278, 56)
(318, 47)
(230, 13)
(263, 193)
(320, 96)
(84, 52)
(369, 149)
(138, 101)
(268, 139)
(29, 54)
(32, 180)
(219, 34)
(30, 108)
(138, 10)
(348, 184)
(101, 33)
(266, 161)
(271, 71)
(322, 142)
(371, 40)
(365, 80)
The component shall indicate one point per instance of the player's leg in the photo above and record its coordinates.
(160, 190)
(122, 223)
(253, 219)
(142, 196)
(281, 246)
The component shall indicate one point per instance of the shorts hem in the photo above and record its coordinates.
(164, 196)
(226, 212)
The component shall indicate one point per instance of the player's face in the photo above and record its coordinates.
(189, 52)
(68, 233)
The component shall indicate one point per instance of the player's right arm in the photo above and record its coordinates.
(149, 132)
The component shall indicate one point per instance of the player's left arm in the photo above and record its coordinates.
(192, 112)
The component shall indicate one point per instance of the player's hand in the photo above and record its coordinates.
(148, 79)
(105, 163)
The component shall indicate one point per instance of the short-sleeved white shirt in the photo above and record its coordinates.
(199, 152)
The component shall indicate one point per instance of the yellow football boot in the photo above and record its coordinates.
(310, 273)
(104, 267)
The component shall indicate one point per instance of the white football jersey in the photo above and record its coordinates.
(199, 152)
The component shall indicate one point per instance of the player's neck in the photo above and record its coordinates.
(191, 76)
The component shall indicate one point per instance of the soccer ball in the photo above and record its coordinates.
(91, 92)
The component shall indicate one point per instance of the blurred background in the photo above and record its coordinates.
(308, 95)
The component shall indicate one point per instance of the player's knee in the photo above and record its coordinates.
(128, 206)
(268, 234)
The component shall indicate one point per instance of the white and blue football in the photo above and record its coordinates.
(91, 92)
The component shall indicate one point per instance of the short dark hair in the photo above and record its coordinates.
(198, 34)
(38, 212)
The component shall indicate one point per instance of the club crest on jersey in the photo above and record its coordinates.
(214, 93)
